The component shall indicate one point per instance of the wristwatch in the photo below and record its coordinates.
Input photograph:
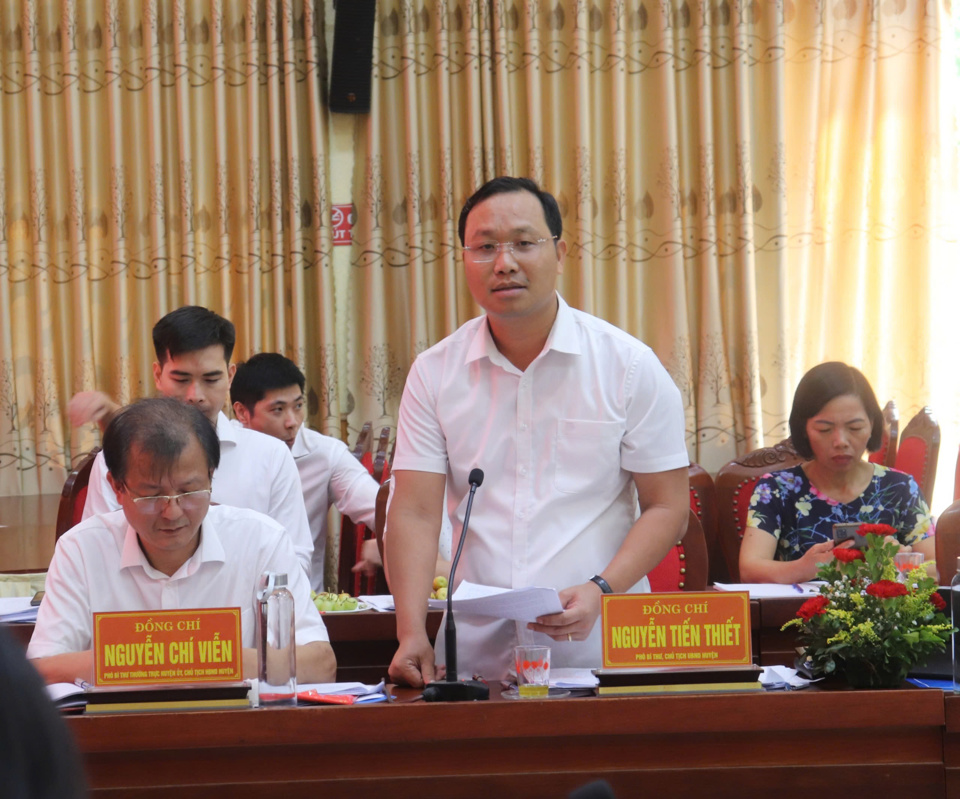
(604, 585)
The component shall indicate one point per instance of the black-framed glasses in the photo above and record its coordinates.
(487, 251)
(188, 501)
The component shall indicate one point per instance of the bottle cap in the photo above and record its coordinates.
(269, 581)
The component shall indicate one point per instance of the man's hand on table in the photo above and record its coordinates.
(413, 663)
(581, 607)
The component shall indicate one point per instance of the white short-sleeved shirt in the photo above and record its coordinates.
(256, 471)
(98, 566)
(558, 444)
(329, 473)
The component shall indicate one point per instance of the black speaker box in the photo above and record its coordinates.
(352, 56)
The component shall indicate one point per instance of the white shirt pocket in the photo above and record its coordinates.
(587, 454)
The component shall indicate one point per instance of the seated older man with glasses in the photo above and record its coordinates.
(167, 548)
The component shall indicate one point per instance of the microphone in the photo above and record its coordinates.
(451, 689)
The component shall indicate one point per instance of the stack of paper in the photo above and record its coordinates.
(772, 590)
(15, 609)
(341, 693)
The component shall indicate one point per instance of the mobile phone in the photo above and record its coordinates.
(37, 598)
(847, 531)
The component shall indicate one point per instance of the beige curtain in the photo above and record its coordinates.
(747, 187)
(154, 154)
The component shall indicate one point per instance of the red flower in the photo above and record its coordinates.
(885, 589)
(876, 529)
(813, 607)
(937, 601)
(847, 555)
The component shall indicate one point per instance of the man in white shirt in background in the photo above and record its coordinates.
(572, 421)
(267, 394)
(167, 549)
(193, 346)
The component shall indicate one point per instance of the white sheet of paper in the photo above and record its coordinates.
(17, 609)
(381, 602)
(517, 604)
(771, 590)
(345, 688)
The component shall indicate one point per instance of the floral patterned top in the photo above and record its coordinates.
(789, 507)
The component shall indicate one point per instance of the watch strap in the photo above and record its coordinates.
(604, 585)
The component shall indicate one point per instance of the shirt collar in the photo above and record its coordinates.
(301, 446)
(562, 338)
(225, 430)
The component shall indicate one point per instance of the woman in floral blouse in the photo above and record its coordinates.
(834, 419)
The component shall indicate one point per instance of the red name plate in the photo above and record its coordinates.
(167, 646)
(683, 629)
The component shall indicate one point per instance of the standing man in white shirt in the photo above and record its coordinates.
(572, 421)
(267, 395)
(193, 346)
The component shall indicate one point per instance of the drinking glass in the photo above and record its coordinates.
(533, 671)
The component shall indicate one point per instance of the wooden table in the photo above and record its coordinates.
(28, 534)
(796, 744)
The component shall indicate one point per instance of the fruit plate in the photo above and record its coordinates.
(360, 606)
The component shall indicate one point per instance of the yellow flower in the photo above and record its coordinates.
(803, 508)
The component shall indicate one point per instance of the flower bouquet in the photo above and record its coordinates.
(865, 626)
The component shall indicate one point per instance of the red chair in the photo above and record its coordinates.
(351, 538)
(352, 535)
(887, 454)
(74, 494)
(735, 483)
(919, 449)
(685, 566)
(703, 502)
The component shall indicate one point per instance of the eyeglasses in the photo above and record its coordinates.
(189, 501)
(487, 251)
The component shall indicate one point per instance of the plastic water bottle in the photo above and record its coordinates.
(276, 641)
(955, 618)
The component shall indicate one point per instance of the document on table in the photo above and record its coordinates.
(770, 590)
(517, 604)
(17, 609)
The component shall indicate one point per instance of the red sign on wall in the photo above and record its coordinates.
(342, 219)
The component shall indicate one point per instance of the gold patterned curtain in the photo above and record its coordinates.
(154, 154)
(749, 187)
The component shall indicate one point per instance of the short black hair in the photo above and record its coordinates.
(162, 428)
(508, 185)
(825, 382)
(192, 328)
(263, 372)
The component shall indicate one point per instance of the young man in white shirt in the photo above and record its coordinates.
(267, 394)
(572, 421)
(193, 346)
(167, 548)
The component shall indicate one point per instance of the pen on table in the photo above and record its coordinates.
(797, 588)
(82, 684)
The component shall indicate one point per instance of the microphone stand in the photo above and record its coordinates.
(451, 689)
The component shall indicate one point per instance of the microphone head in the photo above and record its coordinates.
(476, 477)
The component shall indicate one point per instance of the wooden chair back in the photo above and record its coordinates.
(352, 534)
(74, 493)
(381, 465)
(685, 567)
(947, 540)
(703, 502)
(919, 449)
(735, 483)
(380, 523)
(887, 454)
